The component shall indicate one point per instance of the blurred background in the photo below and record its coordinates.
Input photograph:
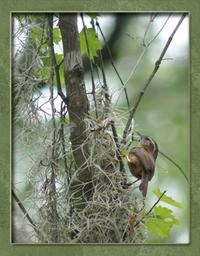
(163, 113)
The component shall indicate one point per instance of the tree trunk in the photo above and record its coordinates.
(77, 105)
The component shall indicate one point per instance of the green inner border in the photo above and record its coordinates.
(9, 6)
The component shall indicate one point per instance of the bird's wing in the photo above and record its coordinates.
(145, 158)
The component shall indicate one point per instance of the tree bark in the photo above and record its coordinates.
(77, 104)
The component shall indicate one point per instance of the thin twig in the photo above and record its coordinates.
(101, 65)
(112, 63)
(62, 135)
(157, 65)
(129, 77)
(155, 203)
(174, 164)
(56, 66)
(21, 206)
(151, 20)
(52, 194)
(118, 152)
(91, 65)
(139, 221)
(160, 30)
(30, 68)
(108, 103)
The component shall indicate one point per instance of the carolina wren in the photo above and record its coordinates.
(141, 161)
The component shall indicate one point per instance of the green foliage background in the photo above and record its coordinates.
(162, 113)
(154, 117)
(6, 248)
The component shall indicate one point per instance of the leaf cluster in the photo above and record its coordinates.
(162, 220)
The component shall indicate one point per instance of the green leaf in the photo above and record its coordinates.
(93, 16)
(67, 120)
(124, 152)
(59, 60)
(36, 34)
(56, 35)
(163, 223)
(159, 227)
(167, 199)
(93, 41)
(43, 73)
(165, 213)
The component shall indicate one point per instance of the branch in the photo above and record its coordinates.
(62, 136)
(157, 65)
(55, 65)
(91, 66)
(52, 194)
(77, 105)
(112, 63)
(152, 17)
(139, 221)
(118, 152)
(21, 206)
(174, 164)
(108, 103)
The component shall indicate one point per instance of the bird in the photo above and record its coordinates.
(141, 161)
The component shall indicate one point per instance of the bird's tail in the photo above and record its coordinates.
(144, 185)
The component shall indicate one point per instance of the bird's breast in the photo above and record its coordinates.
(135, 166)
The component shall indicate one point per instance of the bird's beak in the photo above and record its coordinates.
(139, 134)
(142, 138)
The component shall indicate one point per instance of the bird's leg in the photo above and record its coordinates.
(126, 184)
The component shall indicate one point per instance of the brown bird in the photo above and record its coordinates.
(141, 161)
